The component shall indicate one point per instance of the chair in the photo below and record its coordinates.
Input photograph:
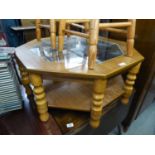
(95, 26)
(52, 28)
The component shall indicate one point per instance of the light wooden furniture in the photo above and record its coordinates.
(84, 86)
(61, 23)
(52, 29)
(93, 26)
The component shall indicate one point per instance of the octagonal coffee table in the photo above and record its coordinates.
(62, 79)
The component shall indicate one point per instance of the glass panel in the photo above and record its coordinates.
(75, 50)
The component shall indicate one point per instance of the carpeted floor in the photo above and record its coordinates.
(143, 125)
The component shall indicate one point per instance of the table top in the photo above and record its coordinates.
(73, 61)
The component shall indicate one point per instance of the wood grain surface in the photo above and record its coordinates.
(78, 96)
(34, 63)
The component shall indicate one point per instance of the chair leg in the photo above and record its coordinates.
(40, 97)
(53, 33)
(62, 25)
(130, 37)
(86, 25)
(96, 109)
(130, 81)
(38, 30)
(68, 28)
(93, 40)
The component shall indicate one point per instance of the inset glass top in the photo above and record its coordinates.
(75, 51)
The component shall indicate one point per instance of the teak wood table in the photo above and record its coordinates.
(62, 79)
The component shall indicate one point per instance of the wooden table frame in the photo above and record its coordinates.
(33, 68)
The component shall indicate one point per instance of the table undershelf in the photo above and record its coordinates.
(78, 95)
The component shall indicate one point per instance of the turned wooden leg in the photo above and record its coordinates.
(62, 25)
(53, 33)
(25, 78)
(40, 96)
(93, 40)
(38, 30)
(130, 81)
(96, 109)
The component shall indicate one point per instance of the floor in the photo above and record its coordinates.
(26, 122)
(144, 124)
